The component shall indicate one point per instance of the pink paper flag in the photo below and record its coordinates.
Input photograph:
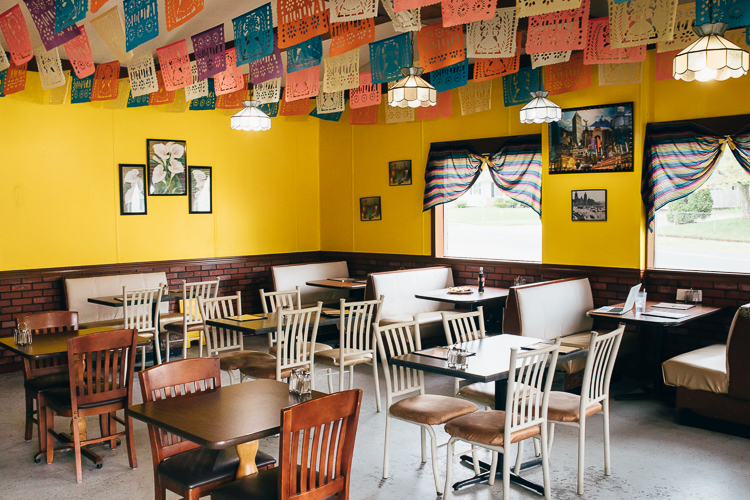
(599, 49)
(442, 109)
(466, 11)
(302, 84)
(664, 65)
(174, 60)
(16, 35)
(558, 31)
(364, 116)
(400, 5)
(79, 53)
(367, 94)
(230, 80)
(15, 79)
(300, 20)
(440, 47)
(106, 83)
(567, 76)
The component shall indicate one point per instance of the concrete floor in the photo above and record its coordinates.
(652, 457)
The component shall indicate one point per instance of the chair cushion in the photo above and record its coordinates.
(265, 368)
(60, 398)
(236, 359)
(565, 407)
(202, 466)
(48, 382)
(176, 327)
(700, 370)
(331, 357)
(318, 348)
(486, 427)
(431, 409)
(261, 486)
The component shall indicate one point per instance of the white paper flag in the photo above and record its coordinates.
(548, 58)
(620, 73)
(641, 22)
(142, 76)
(341, 72)
(475, 97)
(353, 10)
(683, 29)
(330, 102)
(268, 92)
(111, 30)
(495, 37)
(199, 88)
(528, 8)
(4, 64)
(58, 95)
(50, 68)
(398, 115)
(406, 20)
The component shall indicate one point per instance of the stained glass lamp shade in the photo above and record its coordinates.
(711, 57)
(412, 91)
(540, 109)
(251, 118)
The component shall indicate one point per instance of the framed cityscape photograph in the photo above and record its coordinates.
(369, 208)
(399, 173)
(200, 182)
(167, 167)
(589, 205)
(132, 193)
(592, 139)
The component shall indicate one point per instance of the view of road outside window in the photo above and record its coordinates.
(710, 229)
(486, 224)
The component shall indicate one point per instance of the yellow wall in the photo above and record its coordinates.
(59, 195)
(356, 165)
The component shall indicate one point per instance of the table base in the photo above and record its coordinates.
(467, 461)
(247, 452)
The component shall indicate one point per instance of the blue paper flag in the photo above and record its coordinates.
(388, 56)
(3, 76)
(137, 102)
(304, 55)
(733, 12)
(450, 77)
(206, 102)
(141, 22)
(517, 87)
(271, 109)
(80, 88)
(620, 1)
(69, 12)
(331, 117)
(253, 35)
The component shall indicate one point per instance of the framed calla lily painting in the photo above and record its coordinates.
(200, 181)
(167, 167)
(132, 192)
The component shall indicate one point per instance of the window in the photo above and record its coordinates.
(486, 224)
(709, 230)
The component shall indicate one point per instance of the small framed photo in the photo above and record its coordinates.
(200, 181)
(132, 193)
(399, 173)
(167, 167)
(369, 208)
(589, 205)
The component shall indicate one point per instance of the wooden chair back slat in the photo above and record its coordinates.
(599, 365)
(395, 340)
(219, 339)
(138, 308)
(43, 323)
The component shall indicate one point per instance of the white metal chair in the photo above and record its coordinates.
(191, 316)
(356, 343)
(464, 327)
(297, 330)
(525, 416)
(573, 410)
(226, 343)
(424, 410)
(141, 311)
(284, 300)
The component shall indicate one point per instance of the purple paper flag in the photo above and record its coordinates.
(43, 14)
(210, 52)
(268, 67)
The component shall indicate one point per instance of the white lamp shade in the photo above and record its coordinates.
(412, 91)
(251, 118)
(540, 109)
(711, 57)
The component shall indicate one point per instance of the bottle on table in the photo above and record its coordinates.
(481, 280)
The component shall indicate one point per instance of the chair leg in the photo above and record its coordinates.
(77, 449)
(29, 431)
(545, 463)
(519, 456)
(130, 439)
(351, 377)
(231, 377)
(200, 344)
(377, 382)
(160, 493)
(184, 344)
(423, 433)
(167, 348)
(581, 453)
(435, 465)
(387, 446)
(157, 347)
(493, 469)
(551, 437)
(474, 459)
(342, 375)
(537, 451)
(329, 374)
(607, 467)
(112, 429)
(49, 416)
(506, 473)
(449, 468)
(41, 418)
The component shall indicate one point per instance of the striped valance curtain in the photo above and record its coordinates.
(679, 159)
(516, 168)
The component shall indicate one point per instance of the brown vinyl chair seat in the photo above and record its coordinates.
(565, 407)
(201, 466)
(431, 409)
(47, 382)
(332, 357)
(487, 427)
(319, 347)
(60, 400)
(265, 368)
(176, 327)
(235, 360)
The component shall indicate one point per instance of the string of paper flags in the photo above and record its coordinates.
(561, 39)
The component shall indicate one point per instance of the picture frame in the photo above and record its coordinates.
(132, 189)
(592, 139)
(167, 167)
(370, 209)
(588, 205)
(200, 190)
(399, 173)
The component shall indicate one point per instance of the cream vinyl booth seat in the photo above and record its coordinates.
(297, 275)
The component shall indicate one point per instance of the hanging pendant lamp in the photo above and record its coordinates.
(251, 118)
(711, 57)
(412, 91)
(540, 109)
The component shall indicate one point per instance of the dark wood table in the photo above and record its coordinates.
(356, 286)
(234, 415)
(490, 364)
(658, 325)
(116, 300)
(473, 299)
(260, 326)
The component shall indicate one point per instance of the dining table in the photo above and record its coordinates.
(233, 415)
(490, 296)
(259, 324)
(116, 300)
(355, 286)
(489, 362)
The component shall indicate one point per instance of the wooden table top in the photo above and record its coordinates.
(491, 362)
(224, 417)
(261, 326)
(442, 295)
(49, 345)
(112, 300)
(339, 284)
(699, 311)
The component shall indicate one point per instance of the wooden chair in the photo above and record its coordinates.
(525, 416)
(466, 327)
(424, 410)
(312, 468)
(100, 371)
(226, 343)
(297, 331)
(42, 375)
(141, 311)
(177, 332)
(356, 343)
(182, 466)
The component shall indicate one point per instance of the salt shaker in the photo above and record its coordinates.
(453, 357)
(294, 381)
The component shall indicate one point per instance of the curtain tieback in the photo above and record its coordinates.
(485, 162)
(727, 141)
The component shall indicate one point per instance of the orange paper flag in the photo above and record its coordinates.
(161, 96)
(106, 82)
